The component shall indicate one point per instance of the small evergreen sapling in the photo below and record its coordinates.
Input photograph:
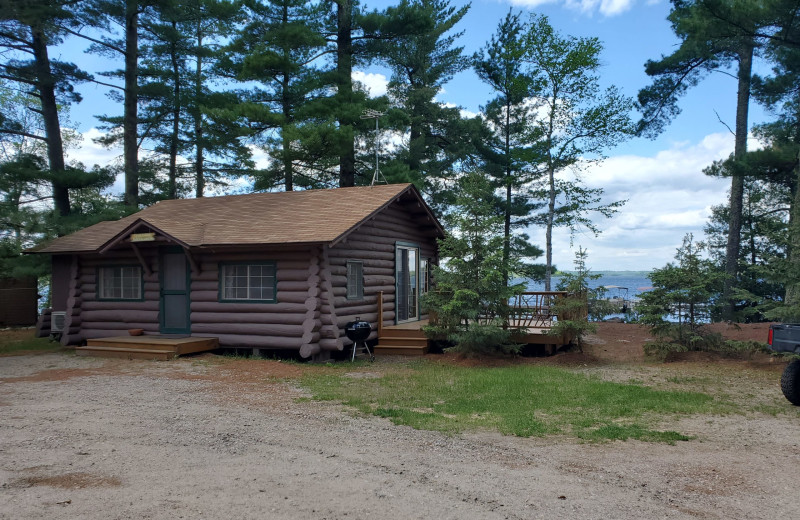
(471, 300)
(685, 290)
(572, 310)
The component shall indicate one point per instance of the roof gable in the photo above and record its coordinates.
(297, 217)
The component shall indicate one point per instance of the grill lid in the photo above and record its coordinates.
(358, 330)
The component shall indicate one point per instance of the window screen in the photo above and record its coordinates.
(248, 282)
(120, 283)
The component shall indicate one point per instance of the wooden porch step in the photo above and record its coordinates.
(126, 353)
(402, 333)
(124, 343)
(395, 341)
(143, 344)
(401, 350)
(187, 345)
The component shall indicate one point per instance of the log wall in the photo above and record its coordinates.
(374, 245)
(291, 323)
(103, 318)
(311, 308)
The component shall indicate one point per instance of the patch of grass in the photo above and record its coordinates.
(633, 431)
(526, 401)
(14, 342)
(690, 380)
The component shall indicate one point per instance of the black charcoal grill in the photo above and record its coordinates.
(358, 331)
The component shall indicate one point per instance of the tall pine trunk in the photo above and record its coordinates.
(130, 119)
(199, 176)
(45, 85)
(286, 109)
(508, 179)
(551, 212)
(737, 181)
(792, 296)
(176, 118)
(344, 84)
(551, 195)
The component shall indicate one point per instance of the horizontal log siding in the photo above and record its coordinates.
(288, 324)
(374, 245)
(291, 323)
(103, 318)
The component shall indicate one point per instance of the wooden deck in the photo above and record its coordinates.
(532, 313)
(146, 347)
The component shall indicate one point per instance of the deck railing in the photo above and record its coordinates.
(534, 309)
(529, 310)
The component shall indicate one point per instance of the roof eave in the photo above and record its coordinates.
(409, 187)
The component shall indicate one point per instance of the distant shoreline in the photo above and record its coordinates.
(609, 273)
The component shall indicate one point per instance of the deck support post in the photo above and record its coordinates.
(380, 313)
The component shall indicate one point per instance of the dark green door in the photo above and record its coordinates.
(174, 279)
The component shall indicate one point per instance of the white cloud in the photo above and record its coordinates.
(260, 157)
(90, 153)
(466, 114)
(668, 196)
(375, 83)
(604, 7)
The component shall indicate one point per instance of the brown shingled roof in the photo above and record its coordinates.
(311, 216)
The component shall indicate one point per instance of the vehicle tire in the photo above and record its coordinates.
(790, 382)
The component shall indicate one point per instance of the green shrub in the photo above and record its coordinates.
(713, 342)
(661, 349)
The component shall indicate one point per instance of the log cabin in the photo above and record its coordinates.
(280, 270)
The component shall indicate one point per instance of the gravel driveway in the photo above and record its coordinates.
(89, 438)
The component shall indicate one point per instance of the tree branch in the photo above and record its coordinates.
(725, 124)
(95, 40)
(21, 133)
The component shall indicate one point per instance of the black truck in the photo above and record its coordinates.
(785, 337)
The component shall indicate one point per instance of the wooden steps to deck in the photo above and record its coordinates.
(146, 347)
(408, 340)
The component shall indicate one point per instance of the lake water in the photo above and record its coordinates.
(636, 282)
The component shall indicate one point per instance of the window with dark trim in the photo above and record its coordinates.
(248, 282)
(119, 282)
(355, 280)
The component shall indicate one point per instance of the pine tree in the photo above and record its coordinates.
(472, 296)
(27, 29)
(279, 48)
(708, 43)
(422, 62)
(506, 146)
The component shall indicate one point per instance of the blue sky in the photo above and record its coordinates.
(661, 179)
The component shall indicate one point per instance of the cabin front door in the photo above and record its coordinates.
(407, 279)
(175, 292)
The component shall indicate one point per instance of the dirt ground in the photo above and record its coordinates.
(212, 437)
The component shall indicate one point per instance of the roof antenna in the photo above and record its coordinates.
(368, 113)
